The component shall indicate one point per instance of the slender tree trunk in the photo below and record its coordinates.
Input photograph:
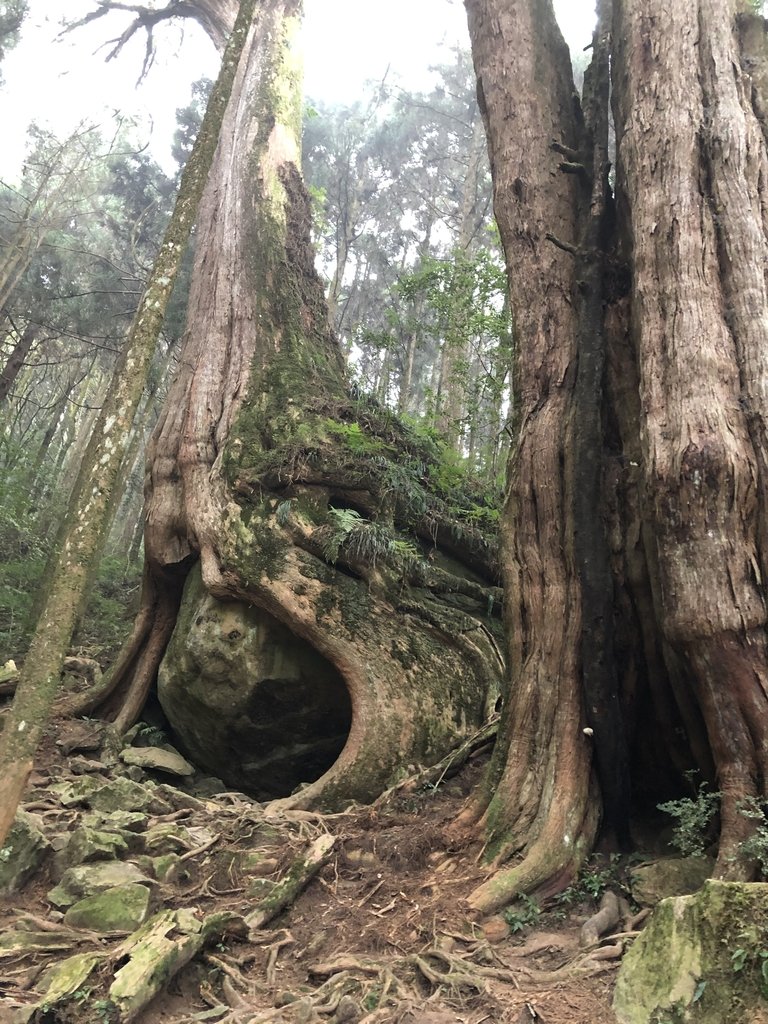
(40, 677)
(16, 359)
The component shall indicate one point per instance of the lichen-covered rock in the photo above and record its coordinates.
(251, 701)
(76, 791)
(23, 852)
(699, 960)
(125, 795)
(670, 876)
(167, 837)
(119, 909)
(121, 821)
(158, 759)
(91, 879)
(90, 844)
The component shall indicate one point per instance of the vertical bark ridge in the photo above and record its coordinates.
(537, 794)
(691, 156)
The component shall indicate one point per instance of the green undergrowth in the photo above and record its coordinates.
(104, 625)
(414, 479)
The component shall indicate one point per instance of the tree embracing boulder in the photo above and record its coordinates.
(332, 597)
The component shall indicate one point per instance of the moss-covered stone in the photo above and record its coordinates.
(671, 876)
(158, 759)
(119, 909)
(700, 959)
(90, 844)
(23, 852)
(78, 791)
(126, 795)
(92, 879)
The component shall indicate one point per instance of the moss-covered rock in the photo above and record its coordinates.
(23, 852)
(158, 759)
(92, 879)
(671, 876)
(119, 909)
(701, 958)
(90, 844)
(251, 701)
(126, 795)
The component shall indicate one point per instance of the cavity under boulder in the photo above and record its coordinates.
(249, 700)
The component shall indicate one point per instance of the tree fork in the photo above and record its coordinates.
(40, 677)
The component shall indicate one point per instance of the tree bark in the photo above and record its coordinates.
(537, 801)
(16, 359)
(673, 281)
(692, 164)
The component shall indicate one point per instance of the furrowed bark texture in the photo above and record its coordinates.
(539, 786)
(249, 470)
(91, 502)
(692, 171)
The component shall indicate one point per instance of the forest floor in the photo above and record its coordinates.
(381, 933)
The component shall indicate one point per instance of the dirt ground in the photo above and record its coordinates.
(380, 934)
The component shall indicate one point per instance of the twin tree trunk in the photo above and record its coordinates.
(673, 279)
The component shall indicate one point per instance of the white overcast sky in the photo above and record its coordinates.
(346, 42)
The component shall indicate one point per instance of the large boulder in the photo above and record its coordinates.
(252, 702)
(670, 876)
(701, 958)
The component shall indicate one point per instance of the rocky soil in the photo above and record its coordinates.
(137, 889)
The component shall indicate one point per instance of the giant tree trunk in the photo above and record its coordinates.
(692, 163)
(316, 645)
(537, 801)
(685, 313)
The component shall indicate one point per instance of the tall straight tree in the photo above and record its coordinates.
(642, 399)
(99, 472)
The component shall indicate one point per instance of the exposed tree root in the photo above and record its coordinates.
(444, 769)
(607, 917)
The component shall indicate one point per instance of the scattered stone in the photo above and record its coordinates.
(167, 868)
(90, 844)
(671, 876)
(122, 908)
(360, 858)
(168, 837)
(699, 959)
(126, 795)
(120, 821)
(77, 791)
(255, 863)
(82, 766)
(495, 929)
(158, 759)
(14, 943)
(260, 888)
(91, 879)
(208, 785)
(348, 1011)
(134, 773)
(23, 852)
(80, 735)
